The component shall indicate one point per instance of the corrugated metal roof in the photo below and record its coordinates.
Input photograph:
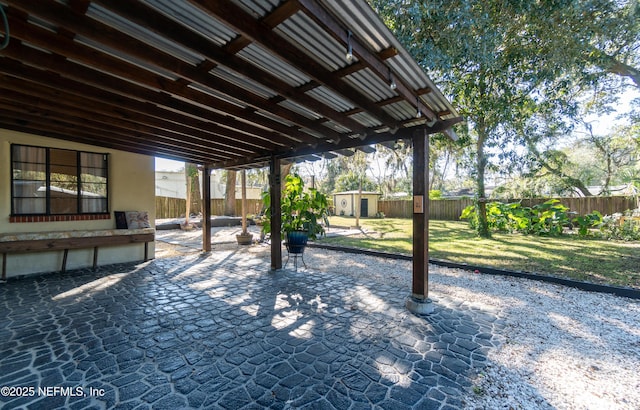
(309, 38)
(257, 55)
(194, 19)
(264, 70)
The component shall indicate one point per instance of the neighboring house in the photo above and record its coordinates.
(345, 203)
(111, 180)
(172, 184)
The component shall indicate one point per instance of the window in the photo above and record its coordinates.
(50, 181)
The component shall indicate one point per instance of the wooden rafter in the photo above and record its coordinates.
(135, 76)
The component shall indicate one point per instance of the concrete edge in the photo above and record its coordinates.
(587, 286)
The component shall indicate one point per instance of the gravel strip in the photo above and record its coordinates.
(562, 348)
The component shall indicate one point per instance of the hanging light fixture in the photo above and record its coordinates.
(349, 55)
(392, 82)
(419, 112)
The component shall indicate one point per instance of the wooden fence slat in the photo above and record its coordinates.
(450, 209)
(175, 207)
(441, 209)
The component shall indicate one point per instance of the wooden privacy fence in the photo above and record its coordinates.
(450, 209)
(175, 207)
(440, 209)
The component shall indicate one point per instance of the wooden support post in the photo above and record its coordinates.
(275, 186)
(206, 209)
(418, 301)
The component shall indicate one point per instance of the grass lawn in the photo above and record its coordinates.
(591, 260)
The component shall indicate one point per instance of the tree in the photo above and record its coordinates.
(193, 191)
(357, 166)
(502, 63)
(230, 194)
(392, 165)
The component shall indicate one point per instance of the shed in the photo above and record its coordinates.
(345, 203)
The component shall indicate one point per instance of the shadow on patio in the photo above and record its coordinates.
(222, 331)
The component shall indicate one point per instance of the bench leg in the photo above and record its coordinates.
(146, 251)
(4, 266)
(64, 260)
(95, 258)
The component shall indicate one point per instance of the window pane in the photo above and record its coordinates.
(93, 174)
(65, 194)
(93, 179)
(90, 160)
(29, 179)
(29, 205)
(92, 190)
(29, 189)
(64, 205)
(94, 205)
(29, 170)
(22, 153)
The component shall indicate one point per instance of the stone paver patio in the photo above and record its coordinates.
(222, 331)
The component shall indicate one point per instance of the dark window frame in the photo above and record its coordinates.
(79, 183)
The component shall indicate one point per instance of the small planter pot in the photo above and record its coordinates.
(296, 241)
(244, 239)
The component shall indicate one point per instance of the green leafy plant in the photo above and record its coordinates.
(547, 219)
(585, 222)
(302, 210)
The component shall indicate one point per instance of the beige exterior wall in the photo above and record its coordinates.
(346, 202)
(131, 188)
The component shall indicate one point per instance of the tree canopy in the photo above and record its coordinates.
(509, 65)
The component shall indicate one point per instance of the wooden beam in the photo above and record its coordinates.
(243, 22)
(96, 86)
(111, 38)
(275, 188)
(418, 301)
(206, 209)
(149, 18)
(404, 133)
(320, 15)
(198, 100)
(98, 116)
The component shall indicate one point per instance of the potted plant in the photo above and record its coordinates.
(303, 213)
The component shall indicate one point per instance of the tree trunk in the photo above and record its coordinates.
(196, 194)
(230, 194)
(187, 178)
(194, 197)
(359, 204)
(481, 210)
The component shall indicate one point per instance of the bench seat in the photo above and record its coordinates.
(65, 240)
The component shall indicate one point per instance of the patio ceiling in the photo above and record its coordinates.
(224, 83)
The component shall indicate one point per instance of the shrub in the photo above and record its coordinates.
(585, 222)
(621, 227)
(548, 218)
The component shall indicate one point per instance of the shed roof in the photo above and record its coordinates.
(357, 192)
(224, 83)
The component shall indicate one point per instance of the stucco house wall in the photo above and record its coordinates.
(131, 188)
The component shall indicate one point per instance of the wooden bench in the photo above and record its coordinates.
(56, 241)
